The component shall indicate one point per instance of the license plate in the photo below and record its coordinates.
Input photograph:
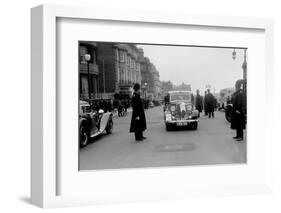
(182, 124)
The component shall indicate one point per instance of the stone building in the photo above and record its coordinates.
(119, 68)
(150, 82)
(88, 70)
(166, 86)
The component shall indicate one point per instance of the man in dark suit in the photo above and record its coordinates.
(198, 102)
(138, 121)
(238, 117)
(210, 103)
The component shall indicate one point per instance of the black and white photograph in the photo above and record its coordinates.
(161, 105)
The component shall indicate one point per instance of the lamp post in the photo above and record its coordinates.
(244, 65)
(87, 58)
(145, 92)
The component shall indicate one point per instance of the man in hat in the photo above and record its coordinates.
(210, 103)
(238, 117)
(198, 102)
(138, 121)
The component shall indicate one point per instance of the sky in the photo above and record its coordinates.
(197, 66)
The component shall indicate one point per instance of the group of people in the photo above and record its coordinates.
(105, 105)
(208, 103)
(238, 116)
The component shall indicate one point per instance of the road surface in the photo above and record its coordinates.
(210, 144)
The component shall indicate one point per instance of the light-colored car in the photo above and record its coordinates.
(92, 123)
(179, 111)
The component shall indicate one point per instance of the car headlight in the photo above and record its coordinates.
(168, 117)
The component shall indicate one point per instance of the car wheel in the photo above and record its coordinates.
(109, 127)
(194, 125)
(168, 127)
(84, 137)
(228, 114)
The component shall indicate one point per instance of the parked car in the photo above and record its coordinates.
(92, 123)
(179, 111)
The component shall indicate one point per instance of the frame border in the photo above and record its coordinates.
(43, 86)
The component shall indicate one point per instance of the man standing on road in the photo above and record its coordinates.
(210, 103)
(138, 122)
(198, 102)
(238, 118)
(205, 104)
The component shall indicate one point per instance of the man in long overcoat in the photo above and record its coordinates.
(238, 117)
(198, 102)
(138, 121)
(210, 104)
(205, 103)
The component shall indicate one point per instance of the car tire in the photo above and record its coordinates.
(228, 114)
(194, 125)
(109, 126)
(168, 127)
(84, 135)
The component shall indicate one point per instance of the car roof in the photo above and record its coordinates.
(179, 91)
(84, 103)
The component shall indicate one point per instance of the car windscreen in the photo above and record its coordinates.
(180, 97)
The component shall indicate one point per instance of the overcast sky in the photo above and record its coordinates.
(196, 66)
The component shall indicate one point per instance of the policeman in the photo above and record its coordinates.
(238, 117)
(138, 121)
(198, 102)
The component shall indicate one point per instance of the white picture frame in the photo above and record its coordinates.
(44, 155)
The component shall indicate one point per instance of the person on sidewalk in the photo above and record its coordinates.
(238, 118)
(138, 121)
(198, 102)
(205, 104)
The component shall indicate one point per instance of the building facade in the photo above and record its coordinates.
(119, 68)
(150, 78)
(88, 71)
(113, 69)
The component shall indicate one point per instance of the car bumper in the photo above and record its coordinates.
(182, 121)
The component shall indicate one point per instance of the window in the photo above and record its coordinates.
(82, 51)
(122, 56)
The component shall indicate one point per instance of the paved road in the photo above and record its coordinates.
(211, 143)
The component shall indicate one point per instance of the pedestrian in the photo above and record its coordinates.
(205, 104)
(120, 108)
(198, 102)
(210, 103)
(238, 116)
(138, 121)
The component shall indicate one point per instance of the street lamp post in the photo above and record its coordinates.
(87, 58)
(244, 65)
(145, 91)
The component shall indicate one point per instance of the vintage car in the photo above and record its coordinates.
(179, 111)
(92, 123)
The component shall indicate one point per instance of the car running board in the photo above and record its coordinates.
(96, 134)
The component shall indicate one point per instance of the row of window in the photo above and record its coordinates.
(122, 56)
(128, 76)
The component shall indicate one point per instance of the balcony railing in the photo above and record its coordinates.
(125, 83)
(94, 69)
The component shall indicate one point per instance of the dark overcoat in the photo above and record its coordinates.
(199, 103)
(210, 102)
(138, 111)
(238, 116)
